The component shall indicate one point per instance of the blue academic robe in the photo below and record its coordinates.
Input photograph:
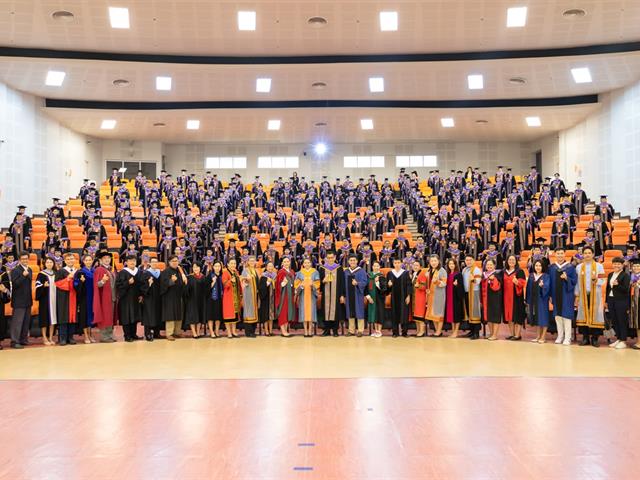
(361, 277)
(563, 294)
(538, 300)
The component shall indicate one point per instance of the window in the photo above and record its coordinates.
(278, 162)
(364, 162)
(416, 161)
(225, 162)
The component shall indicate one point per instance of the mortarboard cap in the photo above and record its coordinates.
(21, 207)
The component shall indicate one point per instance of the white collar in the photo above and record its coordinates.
(133, 271)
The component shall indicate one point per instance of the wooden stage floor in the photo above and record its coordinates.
(321, 409)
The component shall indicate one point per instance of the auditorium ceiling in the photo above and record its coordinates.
(425, 63)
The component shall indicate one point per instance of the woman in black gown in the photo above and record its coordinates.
(266, 293)
(195, 301)
(213, 308)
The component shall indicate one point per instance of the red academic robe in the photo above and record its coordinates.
(285, 305)
(104, 315)
(228, 300)
(514, 296)
(66, 284)
(491, 298)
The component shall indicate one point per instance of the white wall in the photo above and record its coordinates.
(451, 155)
(39, 158)
(550, 148)
(603, 151)
(130, 151)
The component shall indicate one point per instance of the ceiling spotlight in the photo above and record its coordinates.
(475, 82)
(447, 122)
(62, 16)
(574, 13)
(163, 83)
(317, 22)
(121, 82)
(263, 85)
(108, 124)
(119, 17)
(533, 121)
(366, 124)
(273, 125)
(246, 20)
(193, 124)
(54, 79)
(376, 84)
(318, 85)
(388, 21)
(516, 17)
(320, 149)
(581, 75)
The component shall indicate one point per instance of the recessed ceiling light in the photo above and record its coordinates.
(321, 124)
(246, 20)
(263, 85)
(376, 84)
(319, 85)
(516, 17)
(517, 80)
(574, 13)
(54, 78)
(193, 124)
(581, 75)
(119, 17)
(63, 16)
(273, 125)
(475, 82)
(163, 83)
(534, 121)
(159, 124)
(482, 122)
(447, 122)
(317, 22)
(366, 124)
(388, 21)
(108, 124)
(121, 82)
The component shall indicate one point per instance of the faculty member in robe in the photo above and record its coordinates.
(196, 295)
(214, 302)
(104, 297)
(151, 299)
(538, 294)
(399, 285)
(173, 283)
(355, 281)
(249, 280)
(66, 301)
(45, 293)
(436, 294)
(454, 297)
(83, 284)
(491, 298)
(231, 297)
(419, 281)
(307, 287)
(128, 282)
(562, 275)
(267, 295)
(590, 317)
(634, 301)
(285, 306)
(332, 282)
(472, 276)
(375, 296)
(514, 285)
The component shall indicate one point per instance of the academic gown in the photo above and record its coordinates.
(231, 296)
(285, 308)
(213, 309)
(267, 295)
(151, 302)
(400, 289)
(331, 291)
(195, 299)
(491, 298)
(563, 291)
(129, 306)
(455, 297)
(538, 300)
(104, 313)
(172, 294)
(46, 296)
(307, 286)
(354, 297)
(513, 297)
(65, 297)
(84, 297)
(377, 290)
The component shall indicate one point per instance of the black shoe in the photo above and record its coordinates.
(149, 338)
(136, 337)
(25, 343)
(335, 334)
(62, 343)
(395, 335)
(585, 341)
(128, 340)
(405, 335)
(326, 333)
(594, 342)
(516, 339)
(72, 341)
(510, 337)
(469, 335)
(475, 336)
(17, 346)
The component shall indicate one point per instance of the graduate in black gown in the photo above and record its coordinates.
(375, 296)
(151, 303)
(128, 283)
(399, 287)
(45, 293)
(83, 283)
(66, 301)
(213, 308)
(195, 301)
(267, 296)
